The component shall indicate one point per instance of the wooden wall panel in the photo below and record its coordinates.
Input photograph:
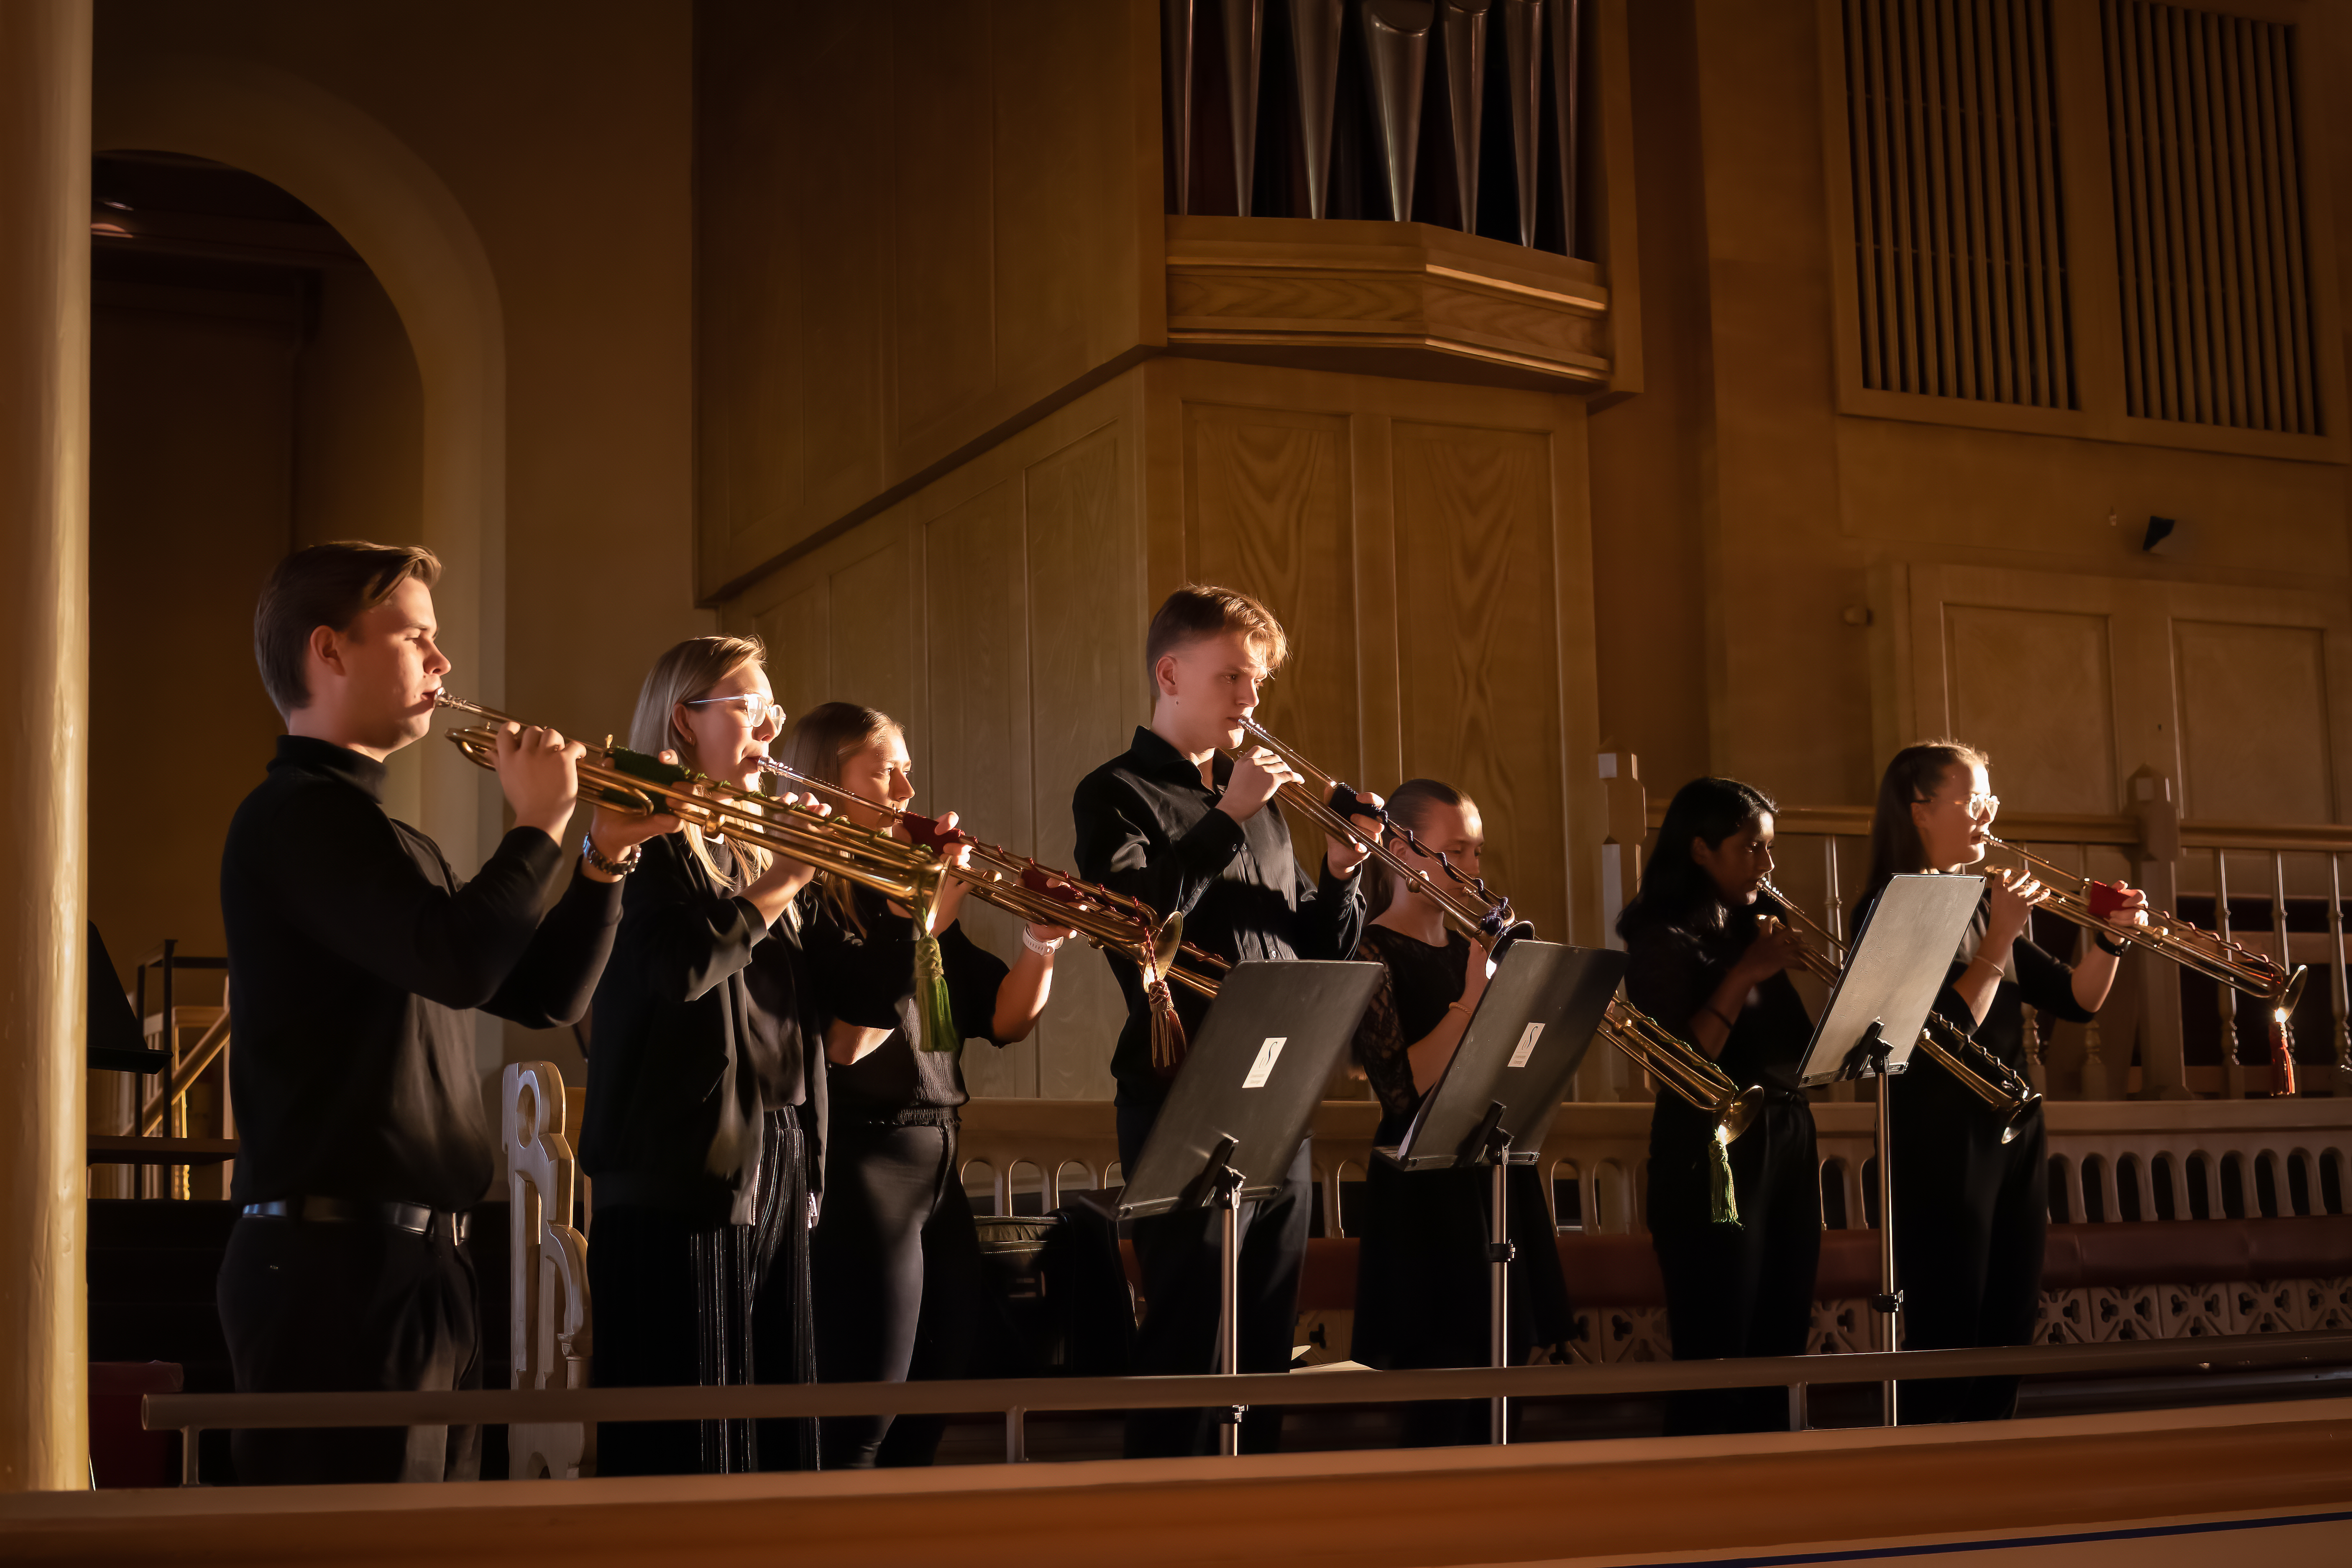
(1086, 681)
(843, 139)
(917, 225)
(944, 234)
(2254, 732)
(798, 632)
(974, 759)
(747, 355)
(1478, 644)
(872, 609)
(1267, 509)
(2033, 689)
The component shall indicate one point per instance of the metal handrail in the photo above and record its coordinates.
(192, 1413)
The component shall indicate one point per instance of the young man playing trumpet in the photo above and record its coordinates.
(355, 953)
(1180, 824)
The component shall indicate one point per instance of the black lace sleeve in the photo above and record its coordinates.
(1380, 1047)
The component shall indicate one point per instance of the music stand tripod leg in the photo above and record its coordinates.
(1498, 1260)
(1229, 1342)
(1870, 1061)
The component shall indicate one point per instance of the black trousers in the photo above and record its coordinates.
(350, 1306)
(1736, 1290)
(1423, 1284)
(899, 1291)
(1972, 1216)
(1178, 1255)
(682, 1302)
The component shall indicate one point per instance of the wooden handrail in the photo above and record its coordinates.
(210, 1412)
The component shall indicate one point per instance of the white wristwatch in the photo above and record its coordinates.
(1043, 948)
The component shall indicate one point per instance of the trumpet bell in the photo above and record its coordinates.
(1168, 941)
(1738, 1110)
(2294, 994)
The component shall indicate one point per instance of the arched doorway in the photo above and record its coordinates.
(400, 219)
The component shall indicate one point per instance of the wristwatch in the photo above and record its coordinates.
(1042, 949)
(621, 867)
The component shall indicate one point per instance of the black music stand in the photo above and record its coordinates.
(1495, 1099)
(1241, 1106)
(1876, 1011)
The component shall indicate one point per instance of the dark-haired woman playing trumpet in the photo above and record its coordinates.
(1423, 1281)
(1971, 1213)
(899, 1291)
(1704, 965)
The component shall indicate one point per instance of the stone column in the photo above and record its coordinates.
(45, 96)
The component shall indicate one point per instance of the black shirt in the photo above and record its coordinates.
(1674, 967)
(354, 954)
(702, 1027)
(867, 977)
(1418, 983)
(1147, 826)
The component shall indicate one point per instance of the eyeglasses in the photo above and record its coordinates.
(1987, 806)
(755, 711)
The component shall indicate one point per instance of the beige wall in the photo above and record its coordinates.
(565, 142)
(920, 223)
(1746, 516)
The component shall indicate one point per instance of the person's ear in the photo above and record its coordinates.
(1699, 853)
(327, 647)
(1163, 674)
(678, 723)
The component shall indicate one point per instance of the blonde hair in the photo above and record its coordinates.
(826, 736)
(1200, 610)
(685, 673)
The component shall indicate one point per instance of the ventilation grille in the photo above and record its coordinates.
(1960, 256)
(2209, 219)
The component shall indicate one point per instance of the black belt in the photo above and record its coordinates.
(421, 1218)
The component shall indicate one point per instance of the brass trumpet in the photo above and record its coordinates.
(1330, 804)
(2005, 1091)
(1039, 895)
(1681, 1068)
(2087, 904)
(633, 782)
(1484, 916)
(907, 873)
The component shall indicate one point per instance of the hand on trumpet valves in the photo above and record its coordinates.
(2014, 894)
(2122, 906)
(538, 771)
(617, 834)
(1776, 948)
(1344, 855)
(949, 902)
(1258, 774)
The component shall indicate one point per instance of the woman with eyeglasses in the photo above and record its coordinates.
(1971, 1212)
(899, 1291)
(705, 1128)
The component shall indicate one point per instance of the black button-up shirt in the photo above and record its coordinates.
(354, 954)
(1149, 828)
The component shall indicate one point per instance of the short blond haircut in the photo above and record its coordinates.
(1198, 611)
